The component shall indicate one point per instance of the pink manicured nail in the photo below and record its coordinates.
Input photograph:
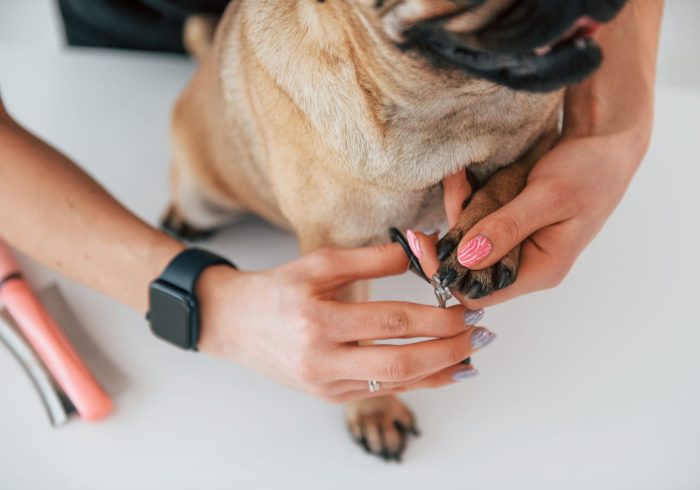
(414, 244)
(475, 250)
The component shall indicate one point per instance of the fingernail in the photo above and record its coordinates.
(474, 251)
(481, 337)
(473, 317)
(465, 374)
(430, 232)
(414, 244)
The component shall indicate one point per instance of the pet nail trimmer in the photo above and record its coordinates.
(79, 389)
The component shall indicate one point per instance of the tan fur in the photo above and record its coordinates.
(308, 114)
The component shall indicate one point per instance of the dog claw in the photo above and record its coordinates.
(181, 230)
(448, 278)
(365, 445)
(445, 248)
(505, 276)
(477, 290)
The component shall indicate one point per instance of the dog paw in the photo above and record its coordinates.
(474, 284)
(173, 224)
(381, 426)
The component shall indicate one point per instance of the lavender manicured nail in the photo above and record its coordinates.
(430, 231)
(473, 317)
(481, 337)
(465, 374)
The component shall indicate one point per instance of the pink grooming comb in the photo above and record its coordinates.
(48, 341)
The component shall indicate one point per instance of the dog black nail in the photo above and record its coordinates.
(504, 275)
(447, 278)
(477, 290)
(445, 248)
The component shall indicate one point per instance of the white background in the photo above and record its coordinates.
(592, 385)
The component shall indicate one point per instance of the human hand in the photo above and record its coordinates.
(574, 188)
(287, 324)
(569, 195)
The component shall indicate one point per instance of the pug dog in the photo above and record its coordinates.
(338, 119)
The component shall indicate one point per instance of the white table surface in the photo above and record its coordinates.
(593, 385)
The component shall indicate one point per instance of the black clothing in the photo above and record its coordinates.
(154, 25)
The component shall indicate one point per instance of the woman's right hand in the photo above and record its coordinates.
(286, 324)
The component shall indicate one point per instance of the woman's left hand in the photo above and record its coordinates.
(569, 195)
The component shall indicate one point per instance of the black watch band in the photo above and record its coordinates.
(184, 270)
(173, 306)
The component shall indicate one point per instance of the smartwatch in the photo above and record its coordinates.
(173, 311)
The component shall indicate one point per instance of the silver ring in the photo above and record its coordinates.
(373, 385)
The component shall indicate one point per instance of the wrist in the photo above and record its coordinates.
(158, 251)
(219, 290)
(589, 113)
(618, 100)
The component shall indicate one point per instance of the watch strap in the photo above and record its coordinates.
(184, 270)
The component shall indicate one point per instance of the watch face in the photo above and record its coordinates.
(171, 314)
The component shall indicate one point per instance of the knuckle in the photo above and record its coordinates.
(508, 227)
(307, 373)
(456, 352)
(320, 260)
(396, 323)
(307, 328)
(400, 367)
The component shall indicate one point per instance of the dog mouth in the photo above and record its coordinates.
(540, 62)
(580, 32)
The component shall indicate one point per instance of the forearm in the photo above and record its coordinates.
(55, 213)
(619, 97)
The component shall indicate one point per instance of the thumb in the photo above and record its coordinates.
(337, 266)
(500, 232)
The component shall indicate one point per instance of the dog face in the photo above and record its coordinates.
(532, 45)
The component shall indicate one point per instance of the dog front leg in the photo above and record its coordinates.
(382, 424)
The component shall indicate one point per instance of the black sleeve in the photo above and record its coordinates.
(153, 25)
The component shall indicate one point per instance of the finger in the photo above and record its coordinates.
(425, 249)
(439, 378)
(540, 268)
(337, 266)
(397, 363)
(353, 322)
(451, 375)
(498, 233)
(455, 191)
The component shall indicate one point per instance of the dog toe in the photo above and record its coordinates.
(504, 276)
(384, 437)
(176, 226)
(384, 430)
(477, 284)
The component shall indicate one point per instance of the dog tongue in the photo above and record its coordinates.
(583, 26)
(542, 50)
